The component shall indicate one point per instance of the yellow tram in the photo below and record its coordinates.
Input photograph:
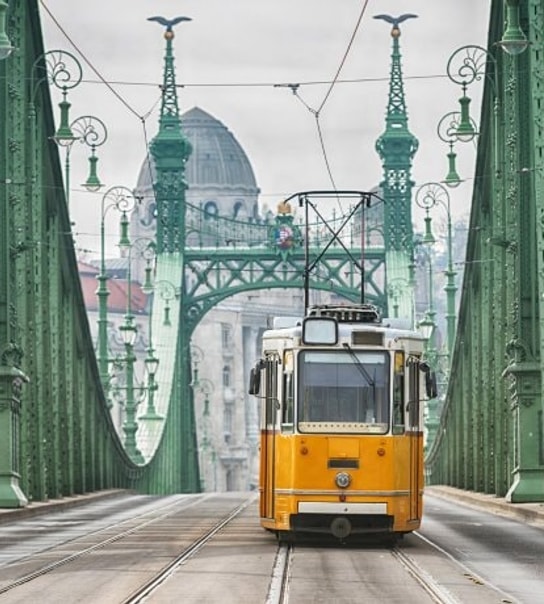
(341, 424)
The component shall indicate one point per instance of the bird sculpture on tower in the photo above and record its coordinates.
(396, 21)
(169, 24)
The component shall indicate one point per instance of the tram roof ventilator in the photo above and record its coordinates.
(359, 313)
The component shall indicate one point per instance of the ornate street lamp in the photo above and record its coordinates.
(428, 196)
(447, 131)
(465, 66)
(151, 365)
(167, 292)
(396, 287)
(123, 200)
(64, 71)
(424, 247)
(5, 44)
(130, 426)
(427, 328)
(92, 132)
(514, 41)
(207, 452)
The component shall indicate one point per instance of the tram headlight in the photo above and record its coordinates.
(343, 480)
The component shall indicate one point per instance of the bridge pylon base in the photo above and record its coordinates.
(11, 382)
(11, 495)
(528, 487)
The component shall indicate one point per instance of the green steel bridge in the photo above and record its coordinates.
(485, 433)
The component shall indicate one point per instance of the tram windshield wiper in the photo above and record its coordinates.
(361, 368)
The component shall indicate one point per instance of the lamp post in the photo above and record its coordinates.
(446, 130)
(167, 292)
(129, 332)
(206, 388)
(92, 132)
(63, 71)
(130, 426)
(427, 328)
(123, 200)
(152, 365)
(395, 288)
(428, 196)
(465, 66)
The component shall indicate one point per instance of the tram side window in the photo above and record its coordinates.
(398, 394)
(271, 391)
(288, 402)
(413, 403)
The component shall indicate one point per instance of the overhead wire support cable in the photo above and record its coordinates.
(344, 58)
(317, 112)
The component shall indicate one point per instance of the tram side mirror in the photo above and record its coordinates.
(431, 387)
(255, 379)
(430, 384)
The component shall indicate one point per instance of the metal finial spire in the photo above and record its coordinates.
(170, 150)
(397, 147)
(395, 21)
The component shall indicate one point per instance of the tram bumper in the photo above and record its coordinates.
(342, 519)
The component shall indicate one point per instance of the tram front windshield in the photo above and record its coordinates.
(343, 391)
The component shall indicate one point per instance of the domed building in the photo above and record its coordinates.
(218, 173)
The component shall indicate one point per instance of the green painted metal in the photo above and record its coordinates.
(259, 260)
(397, 147)
(170, 150)
(491, 435)
(54, 422)
(56, 434)
(67, 441)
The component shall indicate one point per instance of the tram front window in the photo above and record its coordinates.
(343, 391)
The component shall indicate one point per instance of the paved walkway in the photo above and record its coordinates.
(55, 505)
(525, 512)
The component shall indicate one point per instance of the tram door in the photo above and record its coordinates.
(268, 444)
(414, 428)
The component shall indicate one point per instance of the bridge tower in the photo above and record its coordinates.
(397, 147)
(170, 150)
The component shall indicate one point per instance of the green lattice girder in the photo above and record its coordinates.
(212, 276)
(491, 436)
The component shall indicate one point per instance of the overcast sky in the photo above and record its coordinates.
(228, 59)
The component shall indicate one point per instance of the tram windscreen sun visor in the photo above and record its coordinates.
(319, 331)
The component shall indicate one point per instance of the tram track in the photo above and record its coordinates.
(279, 584)
(101, 544)
(436, 591)
(138, 523)
(207, 548)
(150, 586)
